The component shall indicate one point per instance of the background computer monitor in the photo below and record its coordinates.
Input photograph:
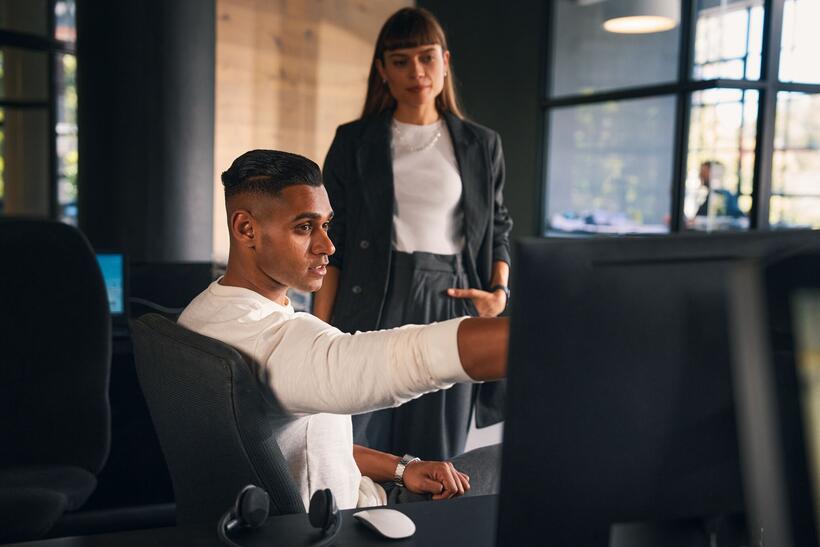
(112, 266)
(776, 317)
(620, 406)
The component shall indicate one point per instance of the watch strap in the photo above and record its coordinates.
(398, 474)
(501, 287)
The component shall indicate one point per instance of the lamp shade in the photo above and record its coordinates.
(641, 16)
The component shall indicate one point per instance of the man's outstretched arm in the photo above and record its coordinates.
(482, 347)
(313, 367)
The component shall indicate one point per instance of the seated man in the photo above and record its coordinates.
(278, 215)
(717, 201)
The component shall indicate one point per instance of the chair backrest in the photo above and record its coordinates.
(56, 350)
(215, 421)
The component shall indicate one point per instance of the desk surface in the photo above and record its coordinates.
(463, 521)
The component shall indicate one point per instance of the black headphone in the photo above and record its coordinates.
(251, 511)
(324, 514)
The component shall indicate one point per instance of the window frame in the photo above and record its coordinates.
(52, 47)
(768, 87)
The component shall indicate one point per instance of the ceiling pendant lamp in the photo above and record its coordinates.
(641, 16)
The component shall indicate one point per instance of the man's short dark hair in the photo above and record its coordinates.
(269, 172)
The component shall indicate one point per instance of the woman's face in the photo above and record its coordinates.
(415, 76)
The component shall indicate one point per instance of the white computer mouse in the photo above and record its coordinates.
(387, 522)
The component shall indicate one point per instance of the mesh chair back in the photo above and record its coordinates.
(56, 361)
(215, 421)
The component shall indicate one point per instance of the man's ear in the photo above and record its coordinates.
(243, 227)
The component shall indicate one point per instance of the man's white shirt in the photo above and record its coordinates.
(322, 376)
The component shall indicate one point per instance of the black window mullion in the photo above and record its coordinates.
(683, 108)
(21, 104)
(52, 114)
(23, 40)
(546, 82)
(798, 87)
(656, 90)
(764, 150)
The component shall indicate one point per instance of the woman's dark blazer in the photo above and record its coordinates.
(358, 175)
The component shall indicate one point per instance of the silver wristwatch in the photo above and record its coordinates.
(398, 474)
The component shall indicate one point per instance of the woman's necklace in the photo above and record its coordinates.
(400, 139)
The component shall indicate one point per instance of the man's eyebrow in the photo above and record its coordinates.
(310, 215)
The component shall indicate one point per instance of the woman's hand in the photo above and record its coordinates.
(488, 304)
(440, 479)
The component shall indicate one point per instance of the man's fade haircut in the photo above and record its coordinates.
(269, 172)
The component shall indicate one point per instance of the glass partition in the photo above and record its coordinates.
(610, 166)
(23, 74)
(24, 16)
(720, 159)
(65, 20)
(24, 160)
(801, 42)
(589, 59)
(795, 199)
(38, 109)
(728, 39)
(67, 156)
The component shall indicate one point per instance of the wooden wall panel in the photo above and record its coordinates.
(288, 73)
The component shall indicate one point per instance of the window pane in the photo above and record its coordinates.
(728, 39)
(720, 160)
(65, 27)
(28, 16)
(610, 166)
(588, 58)
(801, 42)
(24, 161)
(23, 74)
(795, 200)
(67, 138)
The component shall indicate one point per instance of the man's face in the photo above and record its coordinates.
(291, 245)
(705, 175)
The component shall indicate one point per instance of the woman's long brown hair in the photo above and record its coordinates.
(408, 27)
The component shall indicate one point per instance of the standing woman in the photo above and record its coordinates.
(420, 227)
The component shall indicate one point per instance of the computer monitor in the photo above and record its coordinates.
(112, 266)
(776, 311)
(620, 406)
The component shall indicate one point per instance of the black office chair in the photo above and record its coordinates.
(55, 419)
(215, 420)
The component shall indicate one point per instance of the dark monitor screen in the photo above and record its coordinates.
(620, 403)
(806, 307)
(806, 319)
(112, 266)
(776, 305)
